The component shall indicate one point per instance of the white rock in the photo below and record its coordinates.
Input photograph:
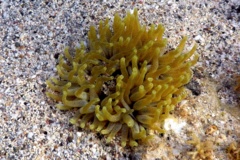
(30, 135)
(174, 125)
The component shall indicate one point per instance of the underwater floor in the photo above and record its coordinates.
(206, 125)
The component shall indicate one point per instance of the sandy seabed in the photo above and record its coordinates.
(34, 33)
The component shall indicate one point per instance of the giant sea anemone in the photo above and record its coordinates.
(124, 82)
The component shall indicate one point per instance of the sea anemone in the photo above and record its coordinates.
(202, 149)
(233, 151)
(124, 82)
(237, 87)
